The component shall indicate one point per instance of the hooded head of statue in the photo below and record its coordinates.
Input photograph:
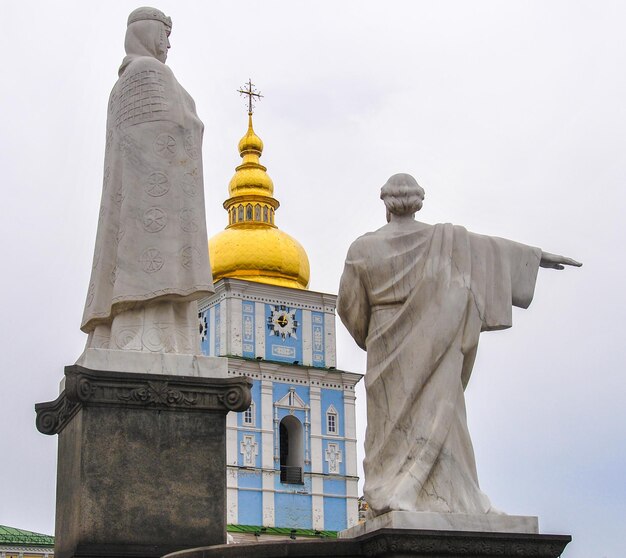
(147, 34)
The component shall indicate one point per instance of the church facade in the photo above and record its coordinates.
(291, 457)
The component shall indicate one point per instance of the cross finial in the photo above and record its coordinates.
(252, 93)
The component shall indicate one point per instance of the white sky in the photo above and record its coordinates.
(510, 114)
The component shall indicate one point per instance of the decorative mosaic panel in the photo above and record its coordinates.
(247, 327)
(317, 330)
(218, 334)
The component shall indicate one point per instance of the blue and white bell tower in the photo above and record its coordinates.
(291, 457)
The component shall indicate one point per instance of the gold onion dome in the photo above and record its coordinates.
(252, 247)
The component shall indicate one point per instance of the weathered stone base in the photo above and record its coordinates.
(141, 461)
(398, 543)
(491, 522)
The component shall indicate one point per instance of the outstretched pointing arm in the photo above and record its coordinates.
(554, 261)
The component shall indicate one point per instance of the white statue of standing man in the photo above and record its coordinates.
(416, 297)
(151, 259)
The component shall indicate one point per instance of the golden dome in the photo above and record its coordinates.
(252, 247)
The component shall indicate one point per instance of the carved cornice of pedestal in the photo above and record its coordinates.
(400, 543)
(396, 542)
(85, 387)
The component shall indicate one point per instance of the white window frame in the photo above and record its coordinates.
(332, 416)
(251, 410)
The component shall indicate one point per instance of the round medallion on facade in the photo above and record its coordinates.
(165, 145)
(190, 257)
(188, 221)
(127, 338)
(189, 184)
(151, 260)
(153, 339)
(191, 146)
(154, 219)
(157, 184)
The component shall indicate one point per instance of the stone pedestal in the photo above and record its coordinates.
(486, 522)
(141, 461)
(398, 543)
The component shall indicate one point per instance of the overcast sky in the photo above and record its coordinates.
(512, 117)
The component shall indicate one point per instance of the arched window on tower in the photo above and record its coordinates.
(240, 213)
(272, 216)
(257, 212)
(291, 450)
(265, 213)
(249, 212)
(332, 421)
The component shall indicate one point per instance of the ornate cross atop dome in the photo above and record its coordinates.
(252, 93)
(252, 247)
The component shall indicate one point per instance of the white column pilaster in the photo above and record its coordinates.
(232, 492)
(330, 343)
(307, 339)
(235, 312)
(316, 425)
(231, 438)
(259, 329)
(224, 319)
(232, 496)
(352, 502)
(317, 501)
(349, 413)
(317, 482)
(267, 450)
(212, 331)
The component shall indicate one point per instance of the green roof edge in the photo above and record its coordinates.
(21, 537)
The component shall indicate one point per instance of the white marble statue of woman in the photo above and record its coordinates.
(151, 258)
(416, 297)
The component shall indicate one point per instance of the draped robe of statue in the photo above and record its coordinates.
(151, 256)
(416, 297)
